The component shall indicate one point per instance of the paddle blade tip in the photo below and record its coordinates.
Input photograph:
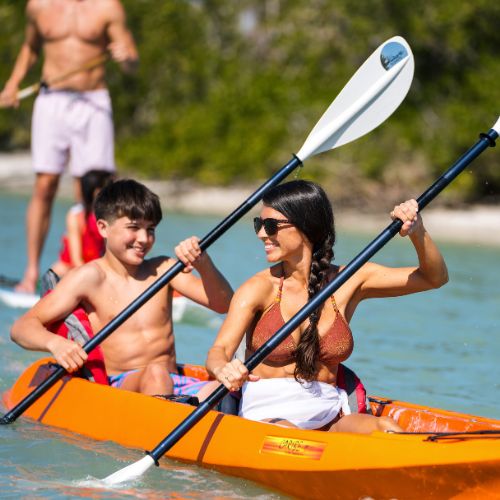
(129, 473)
(496, 127)
(373, 93)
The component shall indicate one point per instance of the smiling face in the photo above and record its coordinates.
(287, 244)
(127, 239)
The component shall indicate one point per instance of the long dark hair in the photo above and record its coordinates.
(307, 207)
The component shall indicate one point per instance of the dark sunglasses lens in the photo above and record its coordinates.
(257, 224)
(270, 226)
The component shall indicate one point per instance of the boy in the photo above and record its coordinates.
(140, 355)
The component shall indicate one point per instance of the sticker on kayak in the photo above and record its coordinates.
(299, 448)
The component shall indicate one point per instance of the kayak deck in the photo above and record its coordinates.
(309, 464)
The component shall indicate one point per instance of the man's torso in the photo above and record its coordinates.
(72, 33)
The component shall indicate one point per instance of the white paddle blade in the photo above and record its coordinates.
(130, 472)
(496, 127)
(32, 89)
(372, 94)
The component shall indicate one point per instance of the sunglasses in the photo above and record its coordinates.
(271, 226)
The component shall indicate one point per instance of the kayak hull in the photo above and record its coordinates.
(306, 464)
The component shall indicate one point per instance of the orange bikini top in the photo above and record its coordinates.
(336, 344)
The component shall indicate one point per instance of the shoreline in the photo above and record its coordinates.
(475, 224)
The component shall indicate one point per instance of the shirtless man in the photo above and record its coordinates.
(72, 118)
(140, 355)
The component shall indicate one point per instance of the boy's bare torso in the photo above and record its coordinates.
(72, 33)
(147, 336)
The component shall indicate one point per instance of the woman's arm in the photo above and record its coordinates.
(431, 272)
(246, 303)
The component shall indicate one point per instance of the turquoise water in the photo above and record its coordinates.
(439, 348)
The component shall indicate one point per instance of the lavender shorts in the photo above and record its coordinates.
(189, 386)
(72, 127)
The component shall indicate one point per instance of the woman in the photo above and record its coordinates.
(296, 384)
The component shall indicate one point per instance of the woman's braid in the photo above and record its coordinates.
(308, 350)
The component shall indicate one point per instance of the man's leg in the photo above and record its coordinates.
(37, 226)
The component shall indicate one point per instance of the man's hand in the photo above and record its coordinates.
(121, 53)
(8, 97)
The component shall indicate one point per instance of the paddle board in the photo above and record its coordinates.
(11, 298)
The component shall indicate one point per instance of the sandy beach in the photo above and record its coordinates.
(475, 224)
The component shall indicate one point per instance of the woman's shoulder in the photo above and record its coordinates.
(269, 277)
(260, 285)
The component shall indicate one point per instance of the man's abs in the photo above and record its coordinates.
(60, 61)
(125, 351)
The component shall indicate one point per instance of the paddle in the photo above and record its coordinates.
(35, 87)
(368, 99)
(138, 468)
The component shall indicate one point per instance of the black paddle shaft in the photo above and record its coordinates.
(165, 278)
(260, 354)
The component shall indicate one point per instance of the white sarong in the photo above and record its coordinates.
(308, 405)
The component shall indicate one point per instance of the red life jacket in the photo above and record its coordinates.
(92, 241)
(77, 327)
(356, 392)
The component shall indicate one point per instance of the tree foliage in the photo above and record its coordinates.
(226, 91)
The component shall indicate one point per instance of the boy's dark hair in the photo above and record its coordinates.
(90, 182)
(127, 198)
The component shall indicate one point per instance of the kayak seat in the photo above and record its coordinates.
(230, 403)
(356, 392)
(346, 379)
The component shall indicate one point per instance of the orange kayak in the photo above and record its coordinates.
(422, 463)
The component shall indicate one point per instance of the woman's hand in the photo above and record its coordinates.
(407, 212)
(68, 353)
(233, 375)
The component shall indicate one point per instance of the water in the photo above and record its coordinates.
(438, 348)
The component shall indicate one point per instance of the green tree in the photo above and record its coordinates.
(226, 91)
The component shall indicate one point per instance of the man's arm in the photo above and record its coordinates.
(27, 56)
(122, 46)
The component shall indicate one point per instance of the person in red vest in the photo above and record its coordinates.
(82, 241)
